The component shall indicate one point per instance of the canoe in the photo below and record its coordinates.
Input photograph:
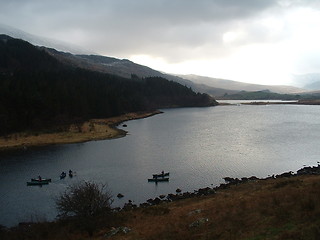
(160, 175)
(36, 183)
(63, 175)
(42, 180)
(158, 179)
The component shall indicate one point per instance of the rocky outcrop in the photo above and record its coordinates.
(309, 170)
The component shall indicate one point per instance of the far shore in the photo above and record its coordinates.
(94, 129)
(97, 129)
(266, 102)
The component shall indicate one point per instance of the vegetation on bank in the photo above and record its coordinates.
(38, 92)
(267, 95)
(276, 208)
(93, 129)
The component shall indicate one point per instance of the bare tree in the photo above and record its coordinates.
(85, 202)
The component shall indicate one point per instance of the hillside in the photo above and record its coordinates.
(260, 95)
(122, 67)
(285, 207)
(240, 86)
(38, 91)
(126, 68)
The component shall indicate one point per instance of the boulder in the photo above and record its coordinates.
(198, 222)
(119, 230)
(197, 211)
(286, 174)
(119, 195)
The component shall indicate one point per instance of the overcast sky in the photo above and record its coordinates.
(259, 41)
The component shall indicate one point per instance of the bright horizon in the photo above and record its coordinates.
(261, 42)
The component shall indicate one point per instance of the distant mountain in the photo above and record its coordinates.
(38, 91)
(127, 68)
(313, 86)
(119, 67)
(240, 86)
(259, 95)
(308, 81)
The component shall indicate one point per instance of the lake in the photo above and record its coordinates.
(198, 146)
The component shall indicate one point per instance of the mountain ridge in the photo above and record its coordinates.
(125, 68)
(241, 86)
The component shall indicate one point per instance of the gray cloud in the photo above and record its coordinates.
(174, 30)
(123, 25)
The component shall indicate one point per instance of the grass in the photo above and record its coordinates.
(286, 208)
(94, 129)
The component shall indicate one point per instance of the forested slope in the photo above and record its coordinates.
(39, 92)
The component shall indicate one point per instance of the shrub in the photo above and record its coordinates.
(86, 203)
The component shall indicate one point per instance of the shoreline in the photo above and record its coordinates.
(91, 130)
(229, 182)
(198, 198)
(266, 102)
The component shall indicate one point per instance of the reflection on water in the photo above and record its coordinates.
(199, 146)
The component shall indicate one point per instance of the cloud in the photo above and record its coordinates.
(174, 31)
(131, 27)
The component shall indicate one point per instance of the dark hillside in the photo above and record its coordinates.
(17, 55)
(39, 92)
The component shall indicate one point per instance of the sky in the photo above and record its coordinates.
(255, 41)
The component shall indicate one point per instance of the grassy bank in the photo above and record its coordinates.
(286, 208)
(94, 129)
(281, 208)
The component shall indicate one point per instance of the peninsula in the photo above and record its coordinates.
(94, 129)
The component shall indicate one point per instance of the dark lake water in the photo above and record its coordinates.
(199, 146)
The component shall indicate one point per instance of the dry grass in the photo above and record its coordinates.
(266, 209)
(286, 208)
(95, 129)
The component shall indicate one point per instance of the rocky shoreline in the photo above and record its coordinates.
(229, 181)
(283, 206)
